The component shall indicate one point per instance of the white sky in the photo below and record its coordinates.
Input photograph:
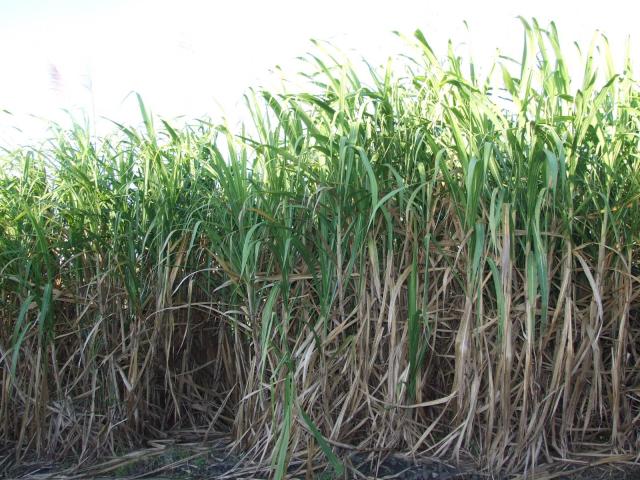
(193, 57)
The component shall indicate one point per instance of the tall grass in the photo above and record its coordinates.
(423, 260)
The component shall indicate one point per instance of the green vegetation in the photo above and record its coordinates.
(424, 260)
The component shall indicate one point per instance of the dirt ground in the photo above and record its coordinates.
(213, 460)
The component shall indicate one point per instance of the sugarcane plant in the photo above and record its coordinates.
(415, 257)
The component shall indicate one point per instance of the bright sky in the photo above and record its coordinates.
(194, 57)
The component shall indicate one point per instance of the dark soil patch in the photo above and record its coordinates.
(214, 460)
(400, 468)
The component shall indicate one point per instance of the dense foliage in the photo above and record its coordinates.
(421, 260)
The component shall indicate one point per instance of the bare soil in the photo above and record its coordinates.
(214, 460)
